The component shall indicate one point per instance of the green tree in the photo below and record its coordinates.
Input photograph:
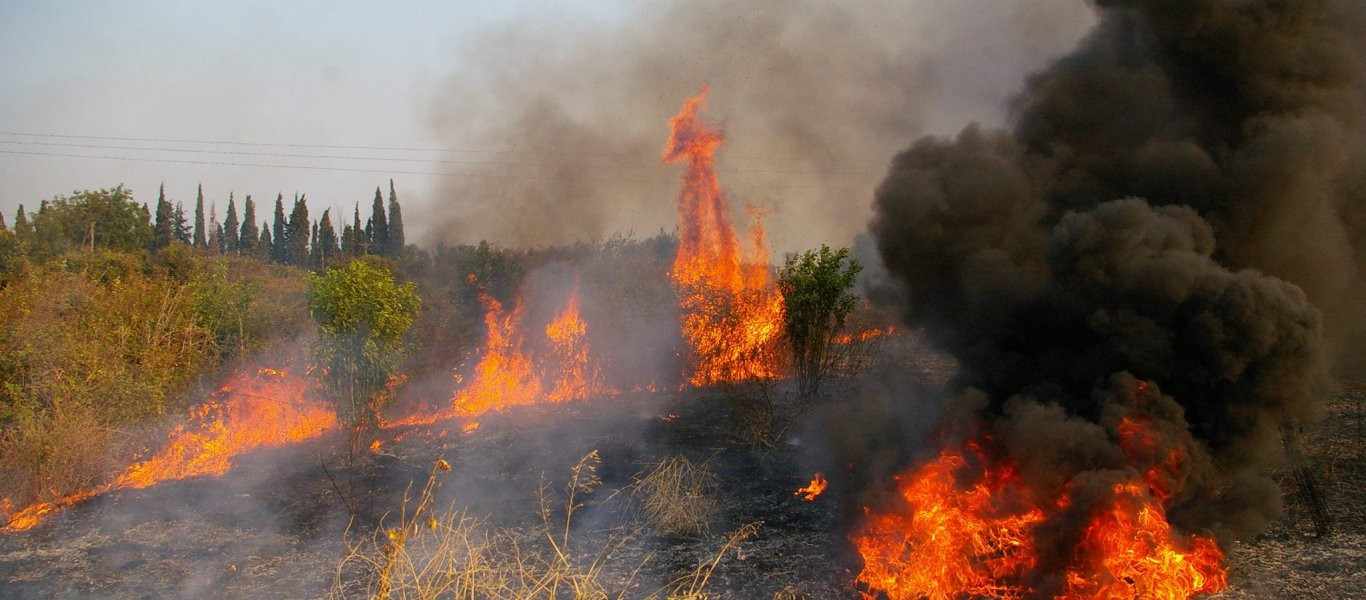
(263, 246)
(165, 223)
(296, 236)
(182, 226)
(114, 219)
(200, 239)
(379, 227)
(250, 236)
(327, 241)
(815, 287)
(362, 315)
(394, 241)
(362, 236)
(279, 246)
(231, 244)
(22, 228)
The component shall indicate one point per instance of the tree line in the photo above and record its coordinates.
(112, 219)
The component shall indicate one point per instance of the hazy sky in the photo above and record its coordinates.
(333, 98)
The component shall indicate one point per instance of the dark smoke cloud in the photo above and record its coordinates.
(813, 95)
(1178, 203)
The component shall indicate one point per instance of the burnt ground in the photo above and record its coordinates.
(274, 526)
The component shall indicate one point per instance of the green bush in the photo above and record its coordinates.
(362, 315)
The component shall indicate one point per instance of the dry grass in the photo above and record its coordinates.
(675, 496)
(452, 555)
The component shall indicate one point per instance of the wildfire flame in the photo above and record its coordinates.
(965, 525)
(732, 312)
(506, 376)
(865, 335)
(266, 409)
(814, 489)
(576, 378)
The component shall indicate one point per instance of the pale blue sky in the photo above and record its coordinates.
(318, 73)
(284, 79)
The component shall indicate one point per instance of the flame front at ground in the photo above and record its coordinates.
(575, 377)
(506, 376)
(965, 526)
(268, 408)
(732, 311)
(814, 489)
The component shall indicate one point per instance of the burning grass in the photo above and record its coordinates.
(268, 408)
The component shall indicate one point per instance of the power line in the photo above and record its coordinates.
(381, 148)
(417, 160)
(376, 171)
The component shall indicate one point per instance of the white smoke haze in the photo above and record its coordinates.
(814, 97)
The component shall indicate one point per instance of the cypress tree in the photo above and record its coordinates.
(327, 241)
(379, 228)
(250, 235)
(182, 226)
(296, 237)
(361, 236)
(230, 229)
(314, 252)
(164, 228)
(278, 248)
(199, 240)
(215, 235)
(264, 247)
(395, 238)
(347, 241)
(22, 228)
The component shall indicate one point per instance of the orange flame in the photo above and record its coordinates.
(814, 489)
(865, 335)
(265, 409)
(951, 539)
(732, 312)
(506, 376)
(576, 378)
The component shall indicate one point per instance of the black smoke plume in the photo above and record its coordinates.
(1178, 203)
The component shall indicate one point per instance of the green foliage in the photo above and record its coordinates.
(379, 227)
(223, 306)
(65, 223)
(395, 239)
(297, 234)
(483, 268)
(200, 237)
(99, 335)
(815, 287)
(362, 315)
(13, 263)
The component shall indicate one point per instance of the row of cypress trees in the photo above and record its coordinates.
(292, 240)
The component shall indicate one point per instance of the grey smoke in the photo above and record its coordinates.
(813, 95)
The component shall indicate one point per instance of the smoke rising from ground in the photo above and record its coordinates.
(1177, 203)
(813, 95)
